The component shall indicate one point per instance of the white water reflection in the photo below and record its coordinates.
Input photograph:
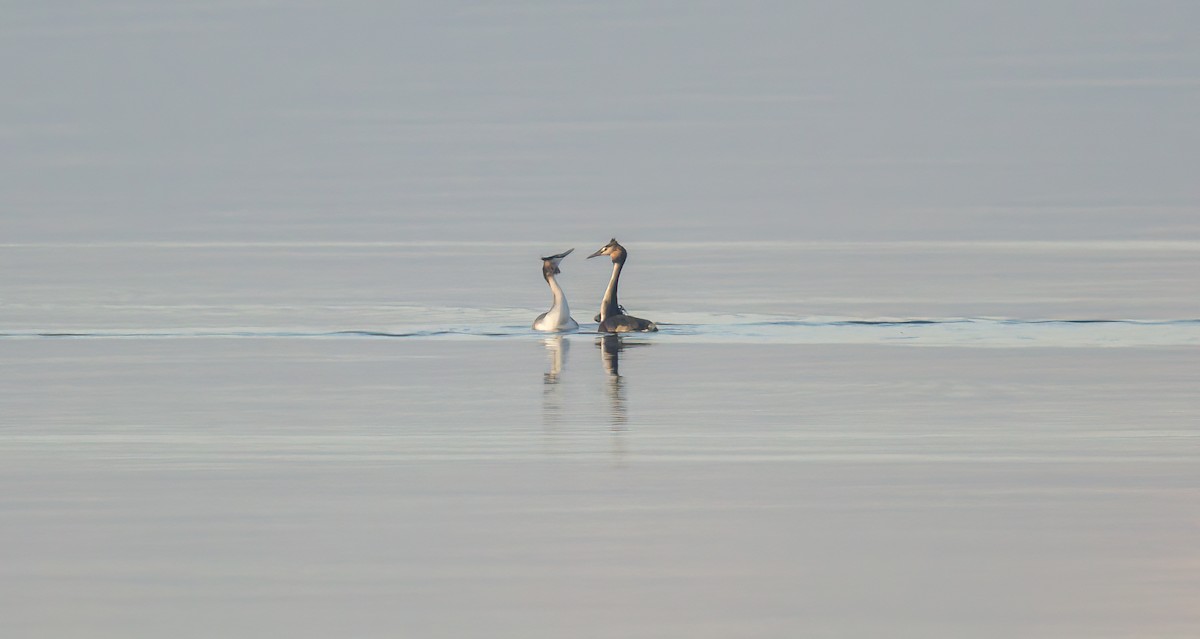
(325, 471)
(552, 393)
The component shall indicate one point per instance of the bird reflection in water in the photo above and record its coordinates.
(558, 348)
(611, 347)
(555, 403)
(551, 399)
(552, 410)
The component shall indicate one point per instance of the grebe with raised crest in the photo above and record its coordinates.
(612, 316)
(558, 318)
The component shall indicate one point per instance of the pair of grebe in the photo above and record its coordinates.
(612, 317)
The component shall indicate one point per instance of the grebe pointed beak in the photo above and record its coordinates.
(597, 253)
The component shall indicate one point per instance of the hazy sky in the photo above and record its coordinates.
(214, 119)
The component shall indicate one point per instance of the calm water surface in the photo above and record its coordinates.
(310, 439)
(926, 275)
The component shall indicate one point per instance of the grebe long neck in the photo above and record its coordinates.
(560, 300)
(609, 305)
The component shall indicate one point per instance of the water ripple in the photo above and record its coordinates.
(974, 332)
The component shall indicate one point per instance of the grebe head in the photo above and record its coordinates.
(550, 264)
(613, 250)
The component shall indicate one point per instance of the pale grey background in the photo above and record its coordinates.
(538, 120)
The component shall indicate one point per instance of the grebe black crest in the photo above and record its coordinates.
(613, 318)
(558, 318)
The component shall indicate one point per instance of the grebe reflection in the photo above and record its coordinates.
(552, 400)
(610, 356)
(611, 347)
(558, 348)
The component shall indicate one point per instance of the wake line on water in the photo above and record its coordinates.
(1005, 322)
(930, 331)
(241, 334)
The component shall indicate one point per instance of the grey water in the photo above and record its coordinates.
(277, 444)
(925, 276)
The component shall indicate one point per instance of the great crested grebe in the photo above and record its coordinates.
(612, 316)
(558, 318)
